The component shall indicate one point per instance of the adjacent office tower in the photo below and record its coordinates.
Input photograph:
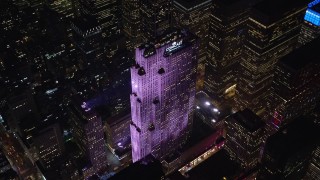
(226, 34)
(163, 93)
(314, 166)
(87, 130)
(245, 131)
(273, 30)
(131, 22)
(296, 84)
(155, 18)
(287, 153)
(194, 16)
(107, 13)
(311, 26)
(49, 143)
(87, 35)
(62, 7)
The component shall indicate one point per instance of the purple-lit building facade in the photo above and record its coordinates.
(163, 94)
(87, 131)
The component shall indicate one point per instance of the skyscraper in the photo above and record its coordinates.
(87, 35)
(194, 16)
(296, 84)
(163, 93)
(131, 22)
(225, 43)
(244, 137)
(87, 131)
(273, 30)
(155, 18)
(107, 13)
(311, 26)
(287, 153)
(49, 144)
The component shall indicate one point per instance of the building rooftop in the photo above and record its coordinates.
(301, 134)
(179, 39)
(216, 167)
(146, 169)
(316, 7)
(271, 11)
(85, 25)
(189, 5)
(248, 120)
(302, 56)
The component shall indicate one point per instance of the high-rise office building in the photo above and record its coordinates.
(296, 84)
(62, 7)
(131, 22)
(314, 166)
(107, 13)
(87, 130)
(245, 133)
(194, 16)
(273, 30)
(311, 26)
(225, 42)
(163, 94)
(287, 153)
(155, 18)
(87, 36)
(49, 143)
(117, 130)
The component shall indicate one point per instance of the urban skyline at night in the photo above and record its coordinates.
(159, 89)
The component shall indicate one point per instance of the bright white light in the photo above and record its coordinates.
(215, 110)
(213, 120)
(136, 86)
(198, 107)
(207, 103)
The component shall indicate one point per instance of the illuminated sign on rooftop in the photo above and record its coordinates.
(176, 46)
(312, 17)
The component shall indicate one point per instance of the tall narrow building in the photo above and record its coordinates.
(107, 13)
(225, 43)
(296, 84)
(273, 30)
(163, 94)
(245, 135)
(87, 130)
(311, 26)
(155, 18)
(194, 16)
(131, 22)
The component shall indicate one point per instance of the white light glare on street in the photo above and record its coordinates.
(207, 103)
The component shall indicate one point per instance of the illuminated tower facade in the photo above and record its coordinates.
(87, 130)
(311, 26)
(225, 43)
(273, 30)
(163, 94)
